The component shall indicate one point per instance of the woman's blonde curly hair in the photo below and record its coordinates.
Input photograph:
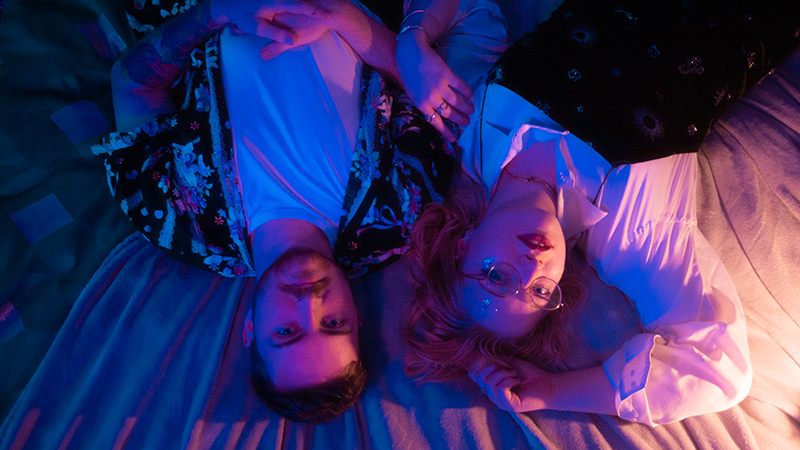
(444, 340)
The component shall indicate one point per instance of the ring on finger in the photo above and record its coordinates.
(442, 107)
(431, 118)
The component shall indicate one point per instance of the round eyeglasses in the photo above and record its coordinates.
(503, 280)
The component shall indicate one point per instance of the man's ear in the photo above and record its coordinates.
(247, 334)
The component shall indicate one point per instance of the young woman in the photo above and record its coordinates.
(599, 83)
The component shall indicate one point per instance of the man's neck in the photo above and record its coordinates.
(273, 238)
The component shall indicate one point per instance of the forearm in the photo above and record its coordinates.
(436, 19)
(141, 78)
(586, 390)
(373, 42)
(433, 87)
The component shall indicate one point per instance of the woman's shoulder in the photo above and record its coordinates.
(649, 205)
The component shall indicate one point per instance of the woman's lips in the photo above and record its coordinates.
(535, 241)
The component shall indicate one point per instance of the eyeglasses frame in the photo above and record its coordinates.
(484, 278)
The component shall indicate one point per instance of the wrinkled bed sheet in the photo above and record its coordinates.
(151, 353)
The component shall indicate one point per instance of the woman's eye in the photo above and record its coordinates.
(542, 292)
(333, 323)
(498, 277)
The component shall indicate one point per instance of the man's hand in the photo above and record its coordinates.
(260, 17)
(304, 28)
(431, 85)
(524, 388)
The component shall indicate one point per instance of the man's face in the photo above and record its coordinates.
(305, 320)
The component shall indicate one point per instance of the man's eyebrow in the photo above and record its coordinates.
(304, 289)
(295, 339)
(288, 342)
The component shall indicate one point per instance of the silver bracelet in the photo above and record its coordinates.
(412, 27)
(419, 11)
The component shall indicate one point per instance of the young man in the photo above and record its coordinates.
(255, 139)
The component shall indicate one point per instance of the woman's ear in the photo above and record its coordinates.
(247, 334)
(462, 243)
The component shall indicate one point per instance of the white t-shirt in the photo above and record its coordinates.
(294, 145)
(642, 237)
(294, 120)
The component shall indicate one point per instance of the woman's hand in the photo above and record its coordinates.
(524, 388)
(261, 17)
(430, 84)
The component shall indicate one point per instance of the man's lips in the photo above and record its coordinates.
(535, 241)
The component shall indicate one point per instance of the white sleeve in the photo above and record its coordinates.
(693, 358)
(474, 40)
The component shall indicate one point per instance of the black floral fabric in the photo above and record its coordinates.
(176, 179)
(639, 80)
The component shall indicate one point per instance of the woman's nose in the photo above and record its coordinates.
(529, 269)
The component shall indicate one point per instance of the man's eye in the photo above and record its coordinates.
(284, 331)
(542, 291)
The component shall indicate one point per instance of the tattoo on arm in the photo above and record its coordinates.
(158, 60)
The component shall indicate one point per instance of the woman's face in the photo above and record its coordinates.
(532, 242)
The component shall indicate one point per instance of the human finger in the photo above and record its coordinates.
(458, 101)
(451, 103)
(268, 29)
(479, 373)
(451, 113)
(435, 119)
(273, 49)
(474, 373)
(489, 379)
(509, 383)
(305, 8)
(493, 380)
(498, 385)
(503, 389)
(459, 86)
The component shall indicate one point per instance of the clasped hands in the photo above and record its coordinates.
(427, 79)
(524, 387)
(289, 23)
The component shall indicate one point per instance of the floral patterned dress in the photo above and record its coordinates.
(176, 179)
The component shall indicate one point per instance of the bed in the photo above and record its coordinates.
(107, 343)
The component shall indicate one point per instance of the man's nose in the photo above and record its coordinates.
(311, 305)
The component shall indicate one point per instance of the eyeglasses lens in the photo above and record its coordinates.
(546, 293)
(502, 280)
